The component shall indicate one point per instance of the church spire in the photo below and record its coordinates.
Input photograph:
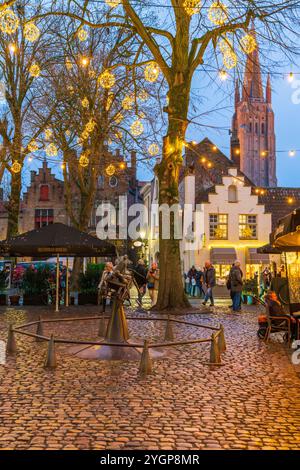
(252, 86)
(237, 97)
(269, 90)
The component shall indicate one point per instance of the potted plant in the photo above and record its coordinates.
(88, 284)
(250, 291)
(35, 286)
(2, 288)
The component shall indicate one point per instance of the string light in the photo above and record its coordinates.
(192, 7)
(113, 3)
(122, 166)
(152, 72)
(290, 77)
(110, 170)
(290, 200)
(127, 102)
(84, 135)
(84, 160)
(33, 146)
(292, 153)
(137, 128)
(31, 32)
(16, 167)
(48, 133)
(35, 70)
(82, 34)
(153, 150)
(12, 48)
(51, 150)
(106, 79)
(9, 22)
(223, 75)
(218, 13)
(248, 44)
(85, 102)
(90, 125)
(85, 62)
(143, 95)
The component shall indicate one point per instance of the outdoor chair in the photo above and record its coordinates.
(278, 324)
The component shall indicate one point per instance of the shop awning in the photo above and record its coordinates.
(255, 257)
(269, 249)
(223, 255)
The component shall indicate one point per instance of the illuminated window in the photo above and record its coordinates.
(218, 226)
(247, 227)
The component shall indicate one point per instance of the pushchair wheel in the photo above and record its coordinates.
(261, 333)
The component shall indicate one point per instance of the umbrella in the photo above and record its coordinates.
(55, 240)
(286, 236)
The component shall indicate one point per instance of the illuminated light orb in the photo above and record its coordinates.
(85, 62)
(152, 72)
(118, 118)
(218, 13)
(68, 133)
(153, 150)
(292, 153)
(51, 150)
(113, 3)
(92, 74)
(84, 161)
(137, 128)
(110, 170)
(48, 133)
(35, 70)
(85, 102)
(143, 96)
(31, 32)
(127, 102)
(12, 48)
(122, 166)
(225, 45)
(192, 7)
(106, 79)
(142, 115)
(248, 44)
(16, 167)
(33, 146)
(9, 22)
(230, 60)
(82, 34)
(223, 75)
(90, 126)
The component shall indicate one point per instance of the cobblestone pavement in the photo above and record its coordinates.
(251, 402)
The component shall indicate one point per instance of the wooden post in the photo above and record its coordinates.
(57, 284)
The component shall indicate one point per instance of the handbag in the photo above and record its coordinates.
(150, 285)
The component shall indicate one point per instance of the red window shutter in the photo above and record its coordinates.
(44, 192)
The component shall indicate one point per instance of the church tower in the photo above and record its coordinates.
(253, 141)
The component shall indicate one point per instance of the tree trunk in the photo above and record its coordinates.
(14, 205)
(171, 289)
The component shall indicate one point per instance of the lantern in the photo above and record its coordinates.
(48, 133)
(33, 146)
(110, 170)
(153, 150)
(128, 102)
(248, 44)
(113, 3)
(84, 161)
(143, 95)
(85, 102)
(118, 118)
(90, 125)
(82, 34)
(230, 60)
(192, 7)
(9, 22)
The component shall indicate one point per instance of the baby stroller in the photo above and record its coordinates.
(263, 328)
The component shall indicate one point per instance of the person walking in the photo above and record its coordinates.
(192, 277)
(199, 283)
(140, 276)
(236, 284)
(153, 283)
(210, 282)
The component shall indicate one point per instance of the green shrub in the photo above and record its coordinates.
(89, 281)
(36, 281)
(251, 287)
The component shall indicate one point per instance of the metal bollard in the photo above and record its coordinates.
(50, 361)
(11, 345)
(221, 340)
(169, 335)
(39, 330)
(215, 357)
(146, 361)
(102, 327)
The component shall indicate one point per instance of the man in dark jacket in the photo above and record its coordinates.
(209, 277)
(236, 284)
(140, 276)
